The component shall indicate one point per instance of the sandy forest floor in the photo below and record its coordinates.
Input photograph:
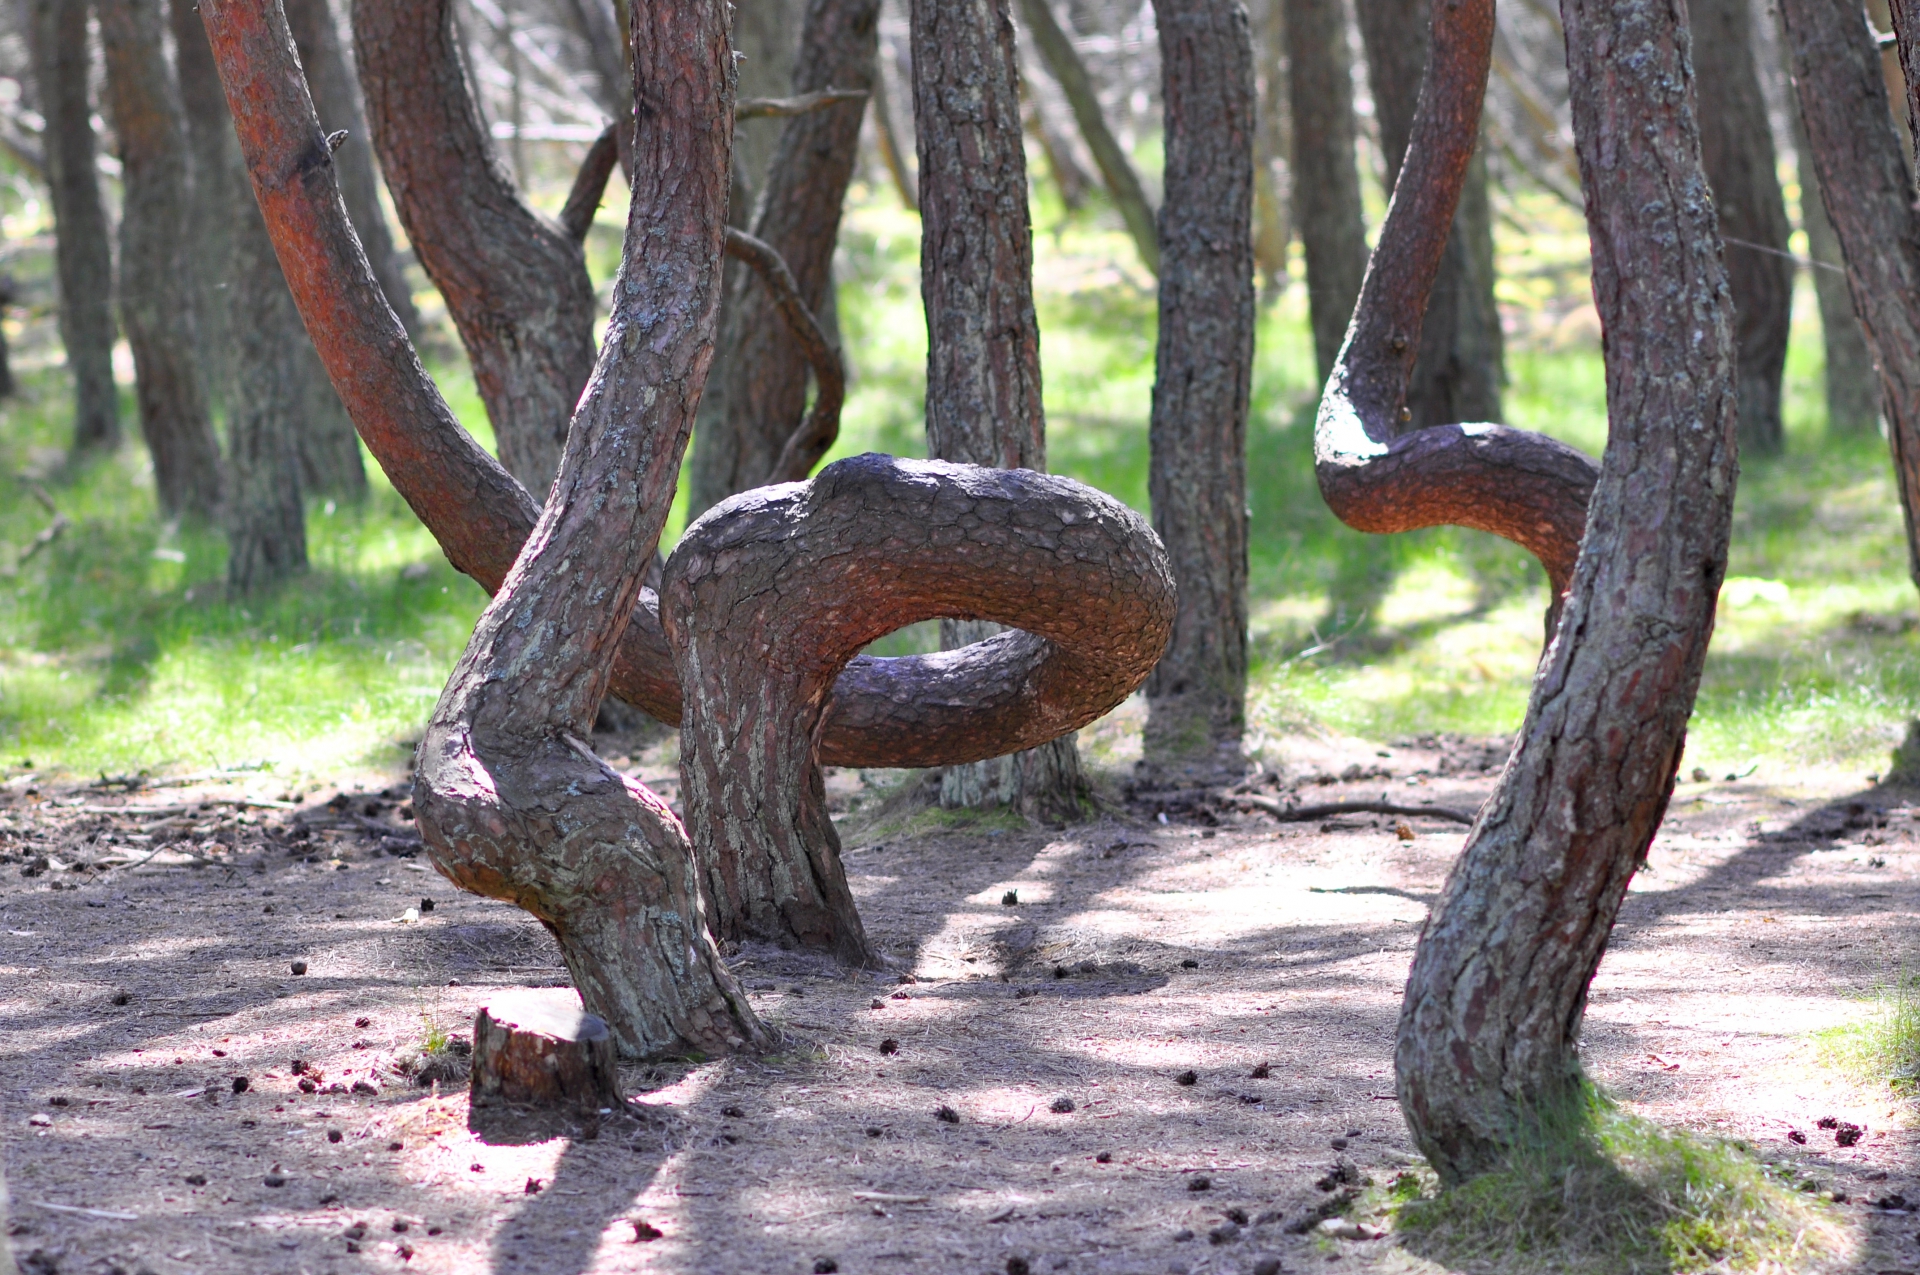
(134, 995)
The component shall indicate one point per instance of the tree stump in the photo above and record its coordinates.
(541, 1047)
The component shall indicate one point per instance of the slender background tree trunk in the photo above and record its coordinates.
(1272, 146)
(758, 392)
(1737, 144)
(1462, 354)
(1326, 179)
(1490, 1027)
(57, 37)
(156, 288)
(267, 403)
(217, 185)
(1203, 369)
(983, 339)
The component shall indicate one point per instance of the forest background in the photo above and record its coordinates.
(122, 651)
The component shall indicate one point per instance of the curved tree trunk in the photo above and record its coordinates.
(155, 276)
(1864, 178)
(515, 285)
(510, 799)
(336, 96)
(1491, 1022)
(1461, 365)
(983, 340)
(1326, 182)
(1736, 142)
(768, 597)
(83, 253)
(759, 390)
(1203, 369)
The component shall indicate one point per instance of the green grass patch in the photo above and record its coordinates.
(1884, 1048)
(1593, 1190)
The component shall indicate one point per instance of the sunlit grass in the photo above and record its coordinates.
(1883, 1048)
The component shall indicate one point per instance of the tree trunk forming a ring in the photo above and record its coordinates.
(759, 390)
(920, 711)
(1326, 181)
(1864, 179)
(156, 307)
(1492, 1017)
(83, 253)
(510, 799)
(1374, 473)
(1461, 368)
(983, 339)
(771, 593)
(515, 284)
(1203, 372)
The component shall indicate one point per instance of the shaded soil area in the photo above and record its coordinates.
(1145, 1044)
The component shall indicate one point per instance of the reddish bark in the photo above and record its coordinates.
(155, 278)
(1375, 477)
(515, 285)
(771, 594)
(1864, 179)
(759, 392)
(1203, 372)
(815, 435)
(83, 256)
(1492, 1018)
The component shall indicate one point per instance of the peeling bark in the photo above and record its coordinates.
(1326, 182)
(1868, 192)
(759, 392)
(515, 284)
(770, 594)
(1377, 475)
(155, 277)
(83, 254)
(1492, 1018)
(1203, 372)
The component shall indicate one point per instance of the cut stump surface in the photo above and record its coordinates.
(541, 1047)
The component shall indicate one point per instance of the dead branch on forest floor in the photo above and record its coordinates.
(1326, 809)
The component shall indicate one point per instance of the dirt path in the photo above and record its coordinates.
(1136, 953)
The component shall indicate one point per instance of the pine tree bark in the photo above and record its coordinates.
(515, 284)
(1737, 143)
(1868, 192)
(1461, 367)
(983, 339)
(758, 394)
(1203, 371)
(216, 187)
(83, 253)
(1326, 180)
(156, 290)
(769, 596)
(1490, 1026)
(268, 406)
(336, 95)
(1853, 390)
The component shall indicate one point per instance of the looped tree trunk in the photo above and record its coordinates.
(1514, 483)
(772, 592)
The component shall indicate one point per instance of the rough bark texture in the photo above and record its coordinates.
(759, 390)
(1737, 144)
(1374, 473)
(771, 594)
(1492, 1017)
(539, 1046)
(218, 184)
(156, 291)
(816, 433)
(1868, 190)
(918, 711)
(1853, 389)
(1116, 170)
(1203, 370)
(510, 799)
(1461, 365)
(57, 38)
(336, 96)
(515, 285)
(268, 403)
(983, 340)
(1326, 182)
